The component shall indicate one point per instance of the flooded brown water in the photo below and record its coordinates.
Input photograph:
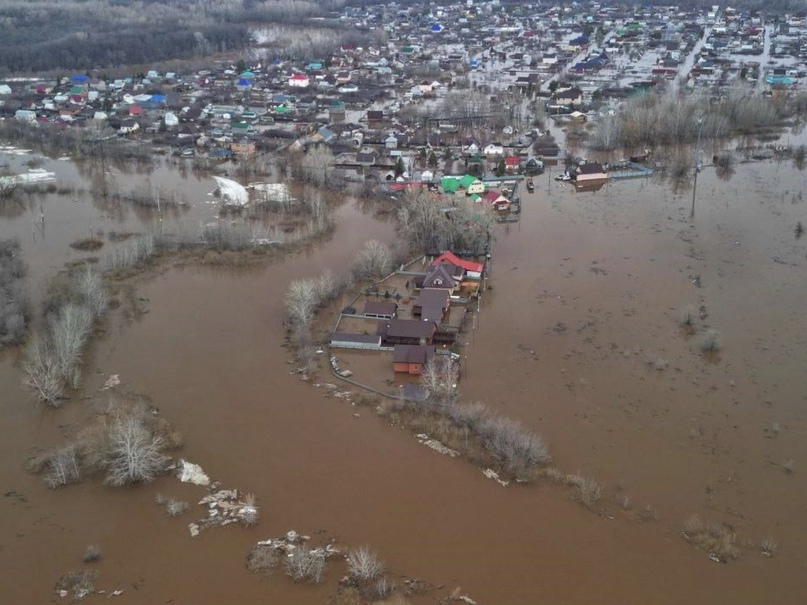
(586, 289)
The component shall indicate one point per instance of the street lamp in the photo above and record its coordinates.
(697, 167)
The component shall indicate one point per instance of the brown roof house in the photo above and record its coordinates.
(443, 275)
(406, 332)
(432, 304)
(380, 310)
(410, 359)
(590, 171)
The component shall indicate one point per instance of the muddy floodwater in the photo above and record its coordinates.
(578, 338)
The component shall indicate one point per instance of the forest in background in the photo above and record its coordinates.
(53, 35)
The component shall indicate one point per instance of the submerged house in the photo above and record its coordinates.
(472, 269)
(591, 171)
(432, 304)
(443, 276)
(410, 359)
(406, 331)
(497, 200)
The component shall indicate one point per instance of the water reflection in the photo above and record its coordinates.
(590, 186)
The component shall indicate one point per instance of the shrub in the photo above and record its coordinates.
(515, 448)
(174, 508)
(130, 253)
(710, 342)
(588, 492)
(80, 583)
(92, 554)
(303, 564)
(768, 547)
(87, 244)
(719, 541)
(383, 588)
(687, 316)
(363, 564)
(249, 512)
(470, 415)
(262, 558)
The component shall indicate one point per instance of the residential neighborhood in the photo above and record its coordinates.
(396, 110)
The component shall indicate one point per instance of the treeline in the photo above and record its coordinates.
(82, 143)
(655, 119)
(47, 35)
(114, 48)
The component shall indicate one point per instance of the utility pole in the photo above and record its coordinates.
(697, 168)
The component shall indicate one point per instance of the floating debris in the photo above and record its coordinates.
(424, 439)
(225, 507)
(285, 545)
(491, 474)
(111, 382)
(192, 473)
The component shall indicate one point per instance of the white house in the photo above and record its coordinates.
(493, 149)
(25, 115)
(128, 127)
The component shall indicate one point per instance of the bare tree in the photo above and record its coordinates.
(440, 378)
(301, 301)
(305, 564)
(91, 289)
(69, 331)
(63, 468)
(317, 165)
(433, 223)
(41, 370)
(326, 286)
(13, 300)
(364, 564)
(374, 261)
(134, 452)
(514, 447)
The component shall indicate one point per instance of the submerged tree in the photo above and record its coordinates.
(373, 261)
(430, 222)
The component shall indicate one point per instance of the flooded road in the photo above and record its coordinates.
(584, 309)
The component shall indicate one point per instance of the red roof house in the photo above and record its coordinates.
(453, 259)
